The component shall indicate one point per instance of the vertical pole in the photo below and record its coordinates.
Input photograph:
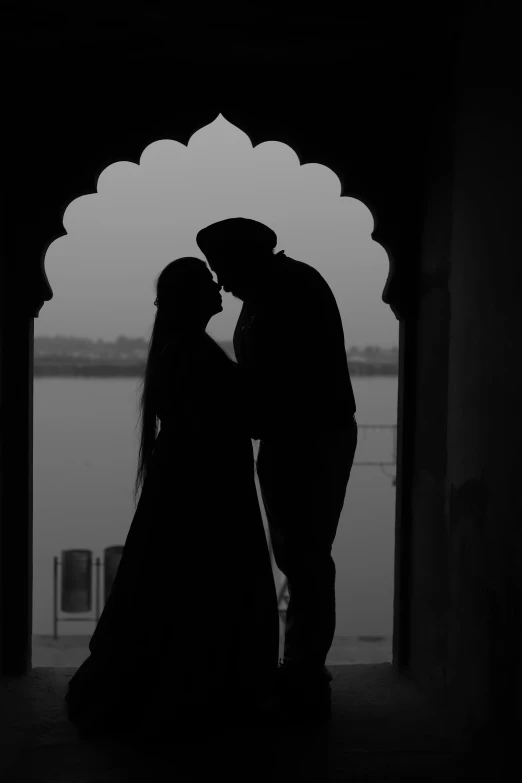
(97, 589)
(23, 290)
(16, 486)
(55, 599)
(394, 455)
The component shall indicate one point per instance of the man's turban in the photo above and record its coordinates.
(242, 232)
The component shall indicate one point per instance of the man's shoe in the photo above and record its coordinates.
(297, 672)
(306, 707)
(304, 691)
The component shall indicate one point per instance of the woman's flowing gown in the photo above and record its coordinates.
(191, 625)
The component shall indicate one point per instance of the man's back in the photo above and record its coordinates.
(292, 343)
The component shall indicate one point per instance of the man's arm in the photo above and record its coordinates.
(287, 366)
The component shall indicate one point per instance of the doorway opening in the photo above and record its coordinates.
(91, 341)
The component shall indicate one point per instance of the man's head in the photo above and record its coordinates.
(238, 250)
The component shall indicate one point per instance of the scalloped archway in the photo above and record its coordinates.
(156, 207)
(82, 182)
(167, 157)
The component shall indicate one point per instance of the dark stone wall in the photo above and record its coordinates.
(465, 570)
(483, 512)
(427, 598)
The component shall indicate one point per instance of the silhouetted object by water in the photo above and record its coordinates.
(76, 594)
(76, 583)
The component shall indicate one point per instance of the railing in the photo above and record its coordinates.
(381, 463)
(393, 427)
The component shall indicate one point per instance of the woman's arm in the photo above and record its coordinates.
(244, 399)
(230, 389)
(289, 366)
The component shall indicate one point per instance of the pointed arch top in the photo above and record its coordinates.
(143, 149)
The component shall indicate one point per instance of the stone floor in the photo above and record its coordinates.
(72, 650)
(381, 730)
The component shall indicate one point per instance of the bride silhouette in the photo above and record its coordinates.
(190, 631)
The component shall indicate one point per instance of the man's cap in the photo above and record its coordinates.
(242, 232)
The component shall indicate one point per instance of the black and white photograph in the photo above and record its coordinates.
(260, 407)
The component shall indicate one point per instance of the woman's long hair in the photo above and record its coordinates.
(176, 290)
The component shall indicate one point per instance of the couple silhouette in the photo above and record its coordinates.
(189, 636)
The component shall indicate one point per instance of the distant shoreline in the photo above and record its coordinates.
(85, 369)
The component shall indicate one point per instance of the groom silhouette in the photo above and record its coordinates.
(289, 342)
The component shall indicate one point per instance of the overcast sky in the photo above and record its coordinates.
(143, 216)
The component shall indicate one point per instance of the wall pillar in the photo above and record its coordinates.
(23, 289)
(16, 490)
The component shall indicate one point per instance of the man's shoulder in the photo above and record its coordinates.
(299, 271)
(299, 267)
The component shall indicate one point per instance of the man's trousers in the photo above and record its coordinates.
(303, 484)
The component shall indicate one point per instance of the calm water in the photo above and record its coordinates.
(85, 456)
